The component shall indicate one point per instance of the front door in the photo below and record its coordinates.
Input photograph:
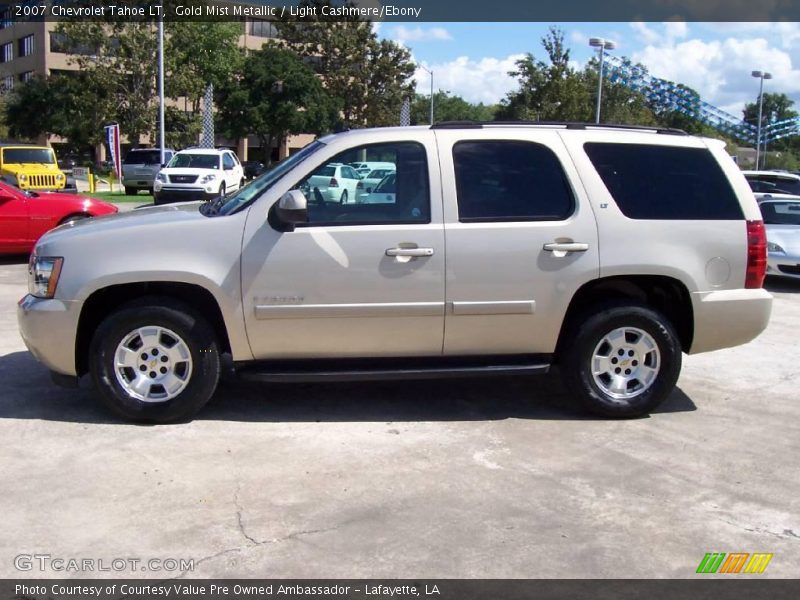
(15, 235)
(358, 280)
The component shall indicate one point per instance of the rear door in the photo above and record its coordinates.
(520, 237)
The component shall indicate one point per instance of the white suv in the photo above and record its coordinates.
(498, 249)
(198, 174)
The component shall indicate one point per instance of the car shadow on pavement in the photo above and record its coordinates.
(29, 394)
(782, 285)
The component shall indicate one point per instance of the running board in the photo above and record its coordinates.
(287, 373)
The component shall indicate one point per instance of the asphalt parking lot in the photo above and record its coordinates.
(467, 478)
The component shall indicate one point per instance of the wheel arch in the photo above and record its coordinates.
(665, 294)
(103, 301)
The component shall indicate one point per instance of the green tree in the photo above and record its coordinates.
(367, 77)
(118, 56)
(550, 90)
(274, 96)
(448, 107)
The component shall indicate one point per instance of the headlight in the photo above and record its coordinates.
(60, 177)
(22, 177)
(773, 247)
(208, 178)
(43, 274)
(161, 177)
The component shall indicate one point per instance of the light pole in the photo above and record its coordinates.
(761, 75)
(161, 88)
(431, 74)
(601, 45)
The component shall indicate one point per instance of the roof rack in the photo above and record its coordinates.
(564, 124)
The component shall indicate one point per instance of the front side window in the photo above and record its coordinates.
(335, 197)
(509, 180)
(664, 182)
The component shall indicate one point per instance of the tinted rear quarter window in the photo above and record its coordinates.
(509, 180)
(665, 182)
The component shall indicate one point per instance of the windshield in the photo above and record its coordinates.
(143, 157)
(194, 161)
(386, 186)
(780, 213)
(244, 197)
(28, 155)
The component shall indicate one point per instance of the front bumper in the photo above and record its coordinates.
(783, 265)
(728, 318)
(49, 329)
(167, 195)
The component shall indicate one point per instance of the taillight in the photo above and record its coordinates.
(333, 182)
(756, 254)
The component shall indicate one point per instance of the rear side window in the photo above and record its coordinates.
(665, 182)
(509, 180)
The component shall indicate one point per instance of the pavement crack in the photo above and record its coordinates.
(239, 522)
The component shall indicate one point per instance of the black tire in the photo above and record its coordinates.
(222, 189)
(178, 318)
(586, 333)
(73, 218)
(131, 191)
(343, 198)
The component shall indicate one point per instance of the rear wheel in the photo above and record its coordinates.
(131, 191)
(155, 360)
(622, 360)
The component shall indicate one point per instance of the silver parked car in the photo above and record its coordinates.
(782, 220)
(609, 251)
(140, 167)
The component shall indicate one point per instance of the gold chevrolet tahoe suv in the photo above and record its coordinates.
(488, 249)
(31, 167)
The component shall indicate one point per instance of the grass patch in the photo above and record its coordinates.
(121, 197)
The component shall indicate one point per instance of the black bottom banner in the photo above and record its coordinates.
(385, 589)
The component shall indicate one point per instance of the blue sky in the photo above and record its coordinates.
(472, 59)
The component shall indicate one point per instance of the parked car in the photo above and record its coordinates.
(606, 250)
(782, 221)
(31, 167)
(383, 193)
(334, 182)
(773, 182)
(25, 215)
(362, 168)
(198, 174)
(252, 168)
(370, 180)
(140, 167)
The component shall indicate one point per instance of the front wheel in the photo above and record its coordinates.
(155, 360)
(622, 360)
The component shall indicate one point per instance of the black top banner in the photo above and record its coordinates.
(407, 10)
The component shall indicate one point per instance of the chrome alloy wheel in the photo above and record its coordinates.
(625, 363)
(153, 364)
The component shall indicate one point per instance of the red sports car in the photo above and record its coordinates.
(26, 216)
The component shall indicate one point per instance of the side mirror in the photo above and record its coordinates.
(290, 210)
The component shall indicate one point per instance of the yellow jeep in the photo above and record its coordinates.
(31, 167)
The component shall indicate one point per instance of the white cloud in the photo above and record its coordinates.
(403, 34)
(663, 33)
(720, 69)
(485, 80)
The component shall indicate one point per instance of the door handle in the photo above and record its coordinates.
(565, 247)
(410, 252)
